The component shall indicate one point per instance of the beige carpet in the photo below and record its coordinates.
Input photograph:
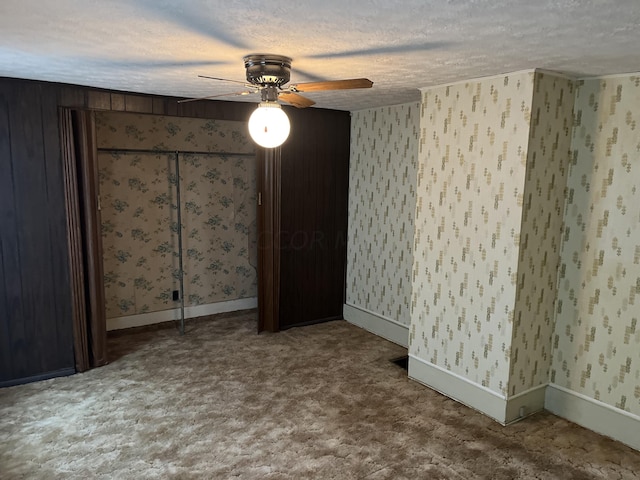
(321, 402)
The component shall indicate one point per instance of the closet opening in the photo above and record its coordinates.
(162, 214)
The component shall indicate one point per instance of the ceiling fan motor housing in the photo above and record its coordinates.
(266, 69)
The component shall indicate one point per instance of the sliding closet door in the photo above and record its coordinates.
(218, 228)
(139, 232)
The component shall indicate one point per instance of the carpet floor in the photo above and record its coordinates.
(316, 402)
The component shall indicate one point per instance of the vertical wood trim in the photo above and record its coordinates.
(86, 144)
(260, 225)
(276, 211)
(74, 241)
(269, 162)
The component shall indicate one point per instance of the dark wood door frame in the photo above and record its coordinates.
(269, 198)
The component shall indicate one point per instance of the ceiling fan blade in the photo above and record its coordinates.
(332, 85)
(295, 99)
(186, 100)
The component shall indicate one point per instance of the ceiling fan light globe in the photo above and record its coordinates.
(268, 125)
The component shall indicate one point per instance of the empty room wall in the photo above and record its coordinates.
(471, 177)
(526, 259)
(541, 234)
(382, 196)
(595, 375)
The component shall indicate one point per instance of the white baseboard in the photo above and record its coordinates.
(174, 314)
(594, 415)
(382, 326)
(459, 388)
(502, 409)
(525, 403)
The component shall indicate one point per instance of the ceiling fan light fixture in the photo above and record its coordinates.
(269, 126)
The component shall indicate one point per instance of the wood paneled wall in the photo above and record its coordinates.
(36, 338)
(35, 312)
(313, 217)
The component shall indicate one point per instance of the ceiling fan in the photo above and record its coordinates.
(268, 75)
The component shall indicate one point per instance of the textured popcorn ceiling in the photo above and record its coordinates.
(160, 46)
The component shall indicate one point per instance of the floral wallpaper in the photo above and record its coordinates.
(470, 187)
(170, 134)
(596, 345)
(219, 205)
(139, 225)
(138, 195)
(382, 196)
(548, 157)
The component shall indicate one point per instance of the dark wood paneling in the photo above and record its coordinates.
(33, 331)
(99, 100)
(314, 184)
(57, 251)
(117, 102)
(159, 106)
(138, 104)
(69, 95)
(29, 183)
(10, 304)
(171, 108)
